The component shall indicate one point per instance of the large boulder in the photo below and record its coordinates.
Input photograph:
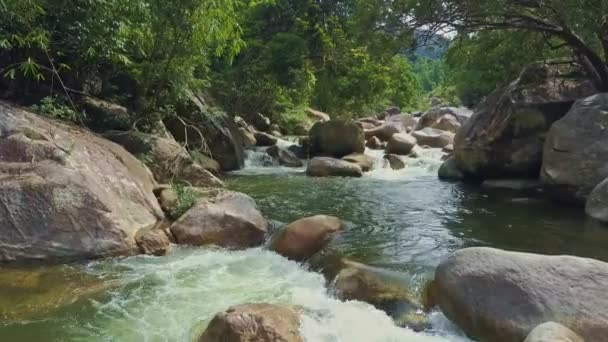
(284, 157)
(153, 241)
(166, 158)
(66, 193)
(303, 238)
(261, 122)
(597, 202)
(229, 219)
(265, 139)
(203, 128)
(401, 144)
(553, 332)
(394, 161)
(444, 118)
(575, 156)
(401, 123)
(103, 115)
(364, 161)
(255, 323)
(500, 296)
(326, 167)
(433, 137)
(449, 170)
(336, 138)
(505, 135)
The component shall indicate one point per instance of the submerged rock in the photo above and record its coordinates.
(401, 144)
(336, 138)
(365, 162)
(575, 157)
(255, 323)
(433, 137)
(505, 135)
(326, 167)
(303, 238)
(228, 219)
(552, 332)
(500, 296)
(66, 193)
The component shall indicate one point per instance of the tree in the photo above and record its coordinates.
(580, 25)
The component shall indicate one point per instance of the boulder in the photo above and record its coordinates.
(303, 238)
(505, 135)
(276, 134)
(298, 151)
(500, 296)
(102, 115)
(401, 123)
(401, 144)
(317, 115)
(395, 162)
(552, 332)
(261, 122)
(383, 132)
(168, 200)
(433, 137)
(374, 143)
(336, 138)
(153, 242)
(228, 219)
(326, 167)
(206, 162)
(444, 118)
(255, 323)
(301, 129)
(248, 137)
(218, 137)
(450, 171)
(167, 159)
(575, 157)
(365, 162)
(284, 157)
(66, 193)
(265, 139)
(597, 202)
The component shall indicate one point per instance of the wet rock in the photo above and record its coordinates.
(365, 162)
(433, 137)
(255, 323)
(553, 332)
(512, 184)
(284, 157)
(533, 289)
(336, 138)
(265, 139)
(325, 167)
(450, 171)
(298, 151)
(444, 118)
(261, 122)
(66, 193)
(597, 202)
(248, 137)
(305, 237)
(374, 143)
(575, 157)
(229, 219)
(153, 242)
(395, 162)
(401, 144)
(505, 135)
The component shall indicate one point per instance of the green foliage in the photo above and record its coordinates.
(56, 108)
(186, 199)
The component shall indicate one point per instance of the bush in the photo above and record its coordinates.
(186, 199)
(56, 108)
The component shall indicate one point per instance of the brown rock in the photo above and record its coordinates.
(336, 138)
(168, 200)
(317, 115)
(326, 167)
(305, 237)
(401, 144)
(395, 162)
(254, 323)
(230, 219)
(433, 137)
(265, 139)
(365, 162)
(153, 242)
(374, 143)
(553, 332)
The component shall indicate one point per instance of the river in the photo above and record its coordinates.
(403, 221)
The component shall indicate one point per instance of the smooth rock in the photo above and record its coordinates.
(305, 237)
(444, 118)
(248, 137)
(500, 296)
(103, 115)
(365, 162)
(597, 202)
(265, 139)
(374, 143)
(433, 137)
(449, 170)
(401, 144)
(255, 323)
(325, 167)
(153, 242)
(336, 138)
(317, 115)
(229, 219)
(552, 332)
(261, 122)
(285, 157)
(395, 162)
(168, 200)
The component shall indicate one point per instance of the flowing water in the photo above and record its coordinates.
(405, 221)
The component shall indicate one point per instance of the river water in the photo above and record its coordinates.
(404, 221)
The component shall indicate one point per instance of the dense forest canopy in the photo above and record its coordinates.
(277, 57)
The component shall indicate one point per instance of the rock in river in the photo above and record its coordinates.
(255, 323)
(553, 332)
(401, 144)
(433, 137)
(66, 193)
(326, 167)
(305, 237)
(500, 296)
(365, 162)
(229, 219)
(336, 138)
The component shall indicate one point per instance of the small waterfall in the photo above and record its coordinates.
(257, 161)
(426, 163)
